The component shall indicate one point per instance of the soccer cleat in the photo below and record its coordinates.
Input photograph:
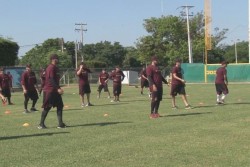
(11, 103)
(26, 111)
(188, 107)
(175, 108)
(83, 105)
(33, 109)
(108, 97)
(61, 126)
(88, 104)
(151, 116)
(41, 127)
(157, 115)
(112, 101)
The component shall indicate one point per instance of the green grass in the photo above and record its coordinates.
(207, 135)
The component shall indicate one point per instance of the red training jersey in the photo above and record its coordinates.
(221, 72)
(28, 80)
(4, 81)
(179, 73)
(52, 78)
(117, 77)
(84, 76)
(103, 77)
(155, 73)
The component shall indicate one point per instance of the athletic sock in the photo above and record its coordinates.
(157, 106)
(218, 98)
(223, 97)
(153, 104)
(59, 117)
(43, 116)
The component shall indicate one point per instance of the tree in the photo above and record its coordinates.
(242, 52)
(8, 52)
(40, 54)
(168, 39)
(105, 52)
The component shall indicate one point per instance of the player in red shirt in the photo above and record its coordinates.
(155, 80)
(84, 86)
(30, 88)
(178, 85)
(5, 86)
(117, 76)
(103, 83)
(53, 93)
(144, 79)
(42, 80)
(11, 80)
(221, 83)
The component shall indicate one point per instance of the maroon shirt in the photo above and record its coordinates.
(5, 81)
(52, 78)
(42, 77)
(155, 73)
(103, 77)
(84, 76)
(28, 80)
(143, 73)
(117, 77)
(220, 73)
(178, 71)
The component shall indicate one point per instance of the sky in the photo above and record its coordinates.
(30, 22)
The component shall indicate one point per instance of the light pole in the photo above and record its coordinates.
(235, 51)
(186, 13)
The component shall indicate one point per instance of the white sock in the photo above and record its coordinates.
(223, 97)
(218, 98)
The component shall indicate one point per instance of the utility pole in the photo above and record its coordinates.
(185, 12)
(81, 29)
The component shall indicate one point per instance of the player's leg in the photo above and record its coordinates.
(26, 100)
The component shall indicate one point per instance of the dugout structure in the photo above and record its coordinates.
(205, 73)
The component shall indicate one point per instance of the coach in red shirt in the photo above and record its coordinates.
(84, 86)
(53, 93)
(155, 80)
(30, 89)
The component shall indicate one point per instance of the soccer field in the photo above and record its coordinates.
(122, 134)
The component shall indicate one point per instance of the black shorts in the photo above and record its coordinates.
(144, 83)
(84, 89)
(105, 87)
(177, 89)
(157, 95)
(221, 88)
(6, 92)
(117, 89)
(31, 94)
(52, 99)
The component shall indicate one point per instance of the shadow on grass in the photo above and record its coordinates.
(99, 124)
(237, 103)
(187, 114)
(33, 135)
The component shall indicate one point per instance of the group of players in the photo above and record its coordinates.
(151, 77)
